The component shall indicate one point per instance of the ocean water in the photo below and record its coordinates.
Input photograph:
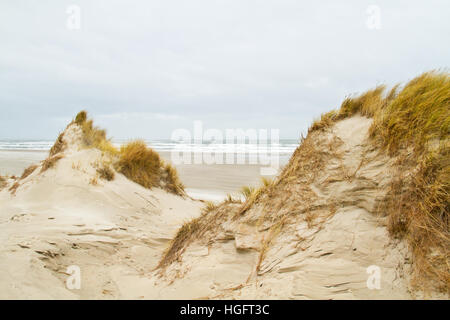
(284, 147)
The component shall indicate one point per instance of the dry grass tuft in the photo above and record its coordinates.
(134, 160)
(106, 173)
(81, 117)
(144, 166)
(415, 127)
(183, 237)
(59, 145)
(209, 206)
(172, 181)
(93, 181)
(50, 162)
(367, 104)
(3, 182)
(14, 188)
(252, 194)
(326, 120)
(94, 137)
(231, 199)
(413, 124)
(28, 171)
(139, 164)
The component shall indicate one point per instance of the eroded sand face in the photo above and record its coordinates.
(325, 261)
(117, 231)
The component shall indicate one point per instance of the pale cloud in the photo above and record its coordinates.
(145, 68)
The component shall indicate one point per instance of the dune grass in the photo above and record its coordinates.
(413, 124)
(252, 194)
(94, 137)
(58, 146)
(28, 171)
(172, 182)
(140, 164)
(3, 182)
(14, 188)
(106, 173)
(134, 160)
(50, 162)
(184, 236)
(144, 166)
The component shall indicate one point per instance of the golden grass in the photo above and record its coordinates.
(415, 127)
(28, 171)
(253, 194)
(209, 206)
(14, 188)
(172, 181)
(94, 137)
(145, 167)
(106, 173)
(139, 164)
(419, 114)
(3, 182)
(93, 181)
(183, 237)
(134, 160)
(58, 146)
(50, 162)
(413, 124)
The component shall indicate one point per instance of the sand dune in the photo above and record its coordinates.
(59, 218)
(316, 232)
(326, 259)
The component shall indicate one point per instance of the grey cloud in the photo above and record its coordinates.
(251, 64)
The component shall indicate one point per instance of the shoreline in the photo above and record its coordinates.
(202, 181)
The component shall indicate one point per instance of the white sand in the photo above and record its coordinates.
(117, 231)
(329, 261)
(58, 218)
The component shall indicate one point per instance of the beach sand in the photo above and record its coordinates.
(116, 232)
(207, 182)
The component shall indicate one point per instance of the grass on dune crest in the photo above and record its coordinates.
(139, 163)
(134, 160)
(410, 124)
(413, 124)
(252, 194)
(58, 146)
(94, 137)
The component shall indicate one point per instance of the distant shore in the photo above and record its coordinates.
(207, 182)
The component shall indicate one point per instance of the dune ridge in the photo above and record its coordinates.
(368, 187)
(382, 160)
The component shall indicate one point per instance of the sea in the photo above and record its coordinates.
(283, 147)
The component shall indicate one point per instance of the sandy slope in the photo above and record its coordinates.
(59, 218)
(117, 231)
(328, 260)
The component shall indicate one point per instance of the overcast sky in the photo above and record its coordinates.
(145, 68)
